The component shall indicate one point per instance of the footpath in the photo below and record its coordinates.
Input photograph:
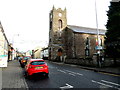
(110, 70)
(115, 71)
(12, 76)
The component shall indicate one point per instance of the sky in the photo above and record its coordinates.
(26, 22)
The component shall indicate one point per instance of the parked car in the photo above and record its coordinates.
(36, 66)
(19, 59)
(24, 61)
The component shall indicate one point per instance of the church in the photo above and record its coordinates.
(69, 41)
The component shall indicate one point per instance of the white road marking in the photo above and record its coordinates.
(102, 84)
(70, 71)
(106, 84)
(66, 87)
(71, 74)
(110, 82)
(61, 71)
(79, 74)
(74, 72)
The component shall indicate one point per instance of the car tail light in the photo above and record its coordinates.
(45, 67)
(23, 61)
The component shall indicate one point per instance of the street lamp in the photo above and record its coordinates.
(97, 24)
(98, 39)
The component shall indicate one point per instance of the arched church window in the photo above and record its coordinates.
(50, 25)
(51, 16)
(87, 43)
(87, 47)
(60, 50)
(59, 24)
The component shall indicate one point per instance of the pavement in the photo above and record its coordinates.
(110, 70)
(12, 76)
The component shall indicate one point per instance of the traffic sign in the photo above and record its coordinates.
(98, 47)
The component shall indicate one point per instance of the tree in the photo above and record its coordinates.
(112, 40)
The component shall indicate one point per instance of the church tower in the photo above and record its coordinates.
(57, 23)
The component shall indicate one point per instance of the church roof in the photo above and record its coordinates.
(79, 29)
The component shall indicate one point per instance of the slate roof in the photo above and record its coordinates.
(79, 29)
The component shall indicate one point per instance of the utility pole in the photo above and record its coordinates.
(98, 38)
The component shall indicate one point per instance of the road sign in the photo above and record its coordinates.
(3, 60)
(98, 47)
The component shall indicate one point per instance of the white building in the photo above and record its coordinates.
(3, 48)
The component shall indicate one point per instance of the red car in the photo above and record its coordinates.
(36, 66)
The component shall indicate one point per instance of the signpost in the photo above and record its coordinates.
(98, 48)
(3, 60)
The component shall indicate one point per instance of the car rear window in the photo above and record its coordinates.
(37, 63)
(26, 58)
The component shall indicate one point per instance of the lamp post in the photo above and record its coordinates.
(98, 38)
(97, 23)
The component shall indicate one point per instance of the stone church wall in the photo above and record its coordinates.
(75, 44)
(71, 42)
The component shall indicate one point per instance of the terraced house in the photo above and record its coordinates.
(69, 41)
(4, 47)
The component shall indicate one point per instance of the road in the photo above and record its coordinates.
(63, 76)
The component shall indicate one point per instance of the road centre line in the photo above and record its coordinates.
(70, 71)
(110, 82)
(61, 71)
(79, 74)
(102, 84)
(74, 72)
(71, 74)
(65, 72)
